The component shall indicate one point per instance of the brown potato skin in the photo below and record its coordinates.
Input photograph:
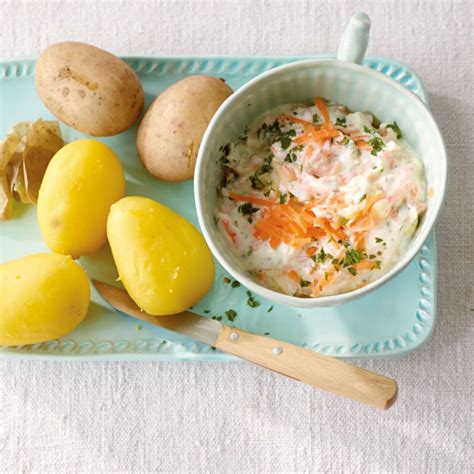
(88, 88)
(171, 130)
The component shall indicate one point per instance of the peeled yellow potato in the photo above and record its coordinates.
(43, 296)
(162, 260)
(81, 182)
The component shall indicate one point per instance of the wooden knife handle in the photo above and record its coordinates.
(324, 372)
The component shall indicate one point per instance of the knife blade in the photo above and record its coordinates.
(189, 324)
(304, 365)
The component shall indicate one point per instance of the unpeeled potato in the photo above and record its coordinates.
(172, 128)
(42, 297)
(162, 260)
(88, 88)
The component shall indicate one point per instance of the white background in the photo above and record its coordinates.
(233, 417)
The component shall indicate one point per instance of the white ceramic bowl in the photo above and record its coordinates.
(343, 81)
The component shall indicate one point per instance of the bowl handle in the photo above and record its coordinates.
(355, 38)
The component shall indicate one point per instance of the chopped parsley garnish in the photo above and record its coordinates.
(269, 310)
(244, 136)
(352, 271)
(352, 257)
(341, 121)
(363, 197)
(225, 150)
(231, 314)
(217, 318)
(283, 198)
(377, 264)
(247, 209)
(315, 118)
(377, 145)
(266, 333)
(321, 256)
(268, 129)
(378, 240)
(367, 129)
(304, 283)
(235, 284)
(226, 280)
(345, 141)
(342, 221)
(252, 302)
(207, 311)
(285, 138)
(255, 182)
(394, 126)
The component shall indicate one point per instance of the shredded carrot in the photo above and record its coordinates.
(321, 105)
(289, 223)
(274, 242)
(265, 229)
(361, 145)
(359, 239)
(261, 276)
(370, 200)
(231, 233)
(336, 234)
(309, 150)
(251, 199)
(364, 265)
(293, 275)
(286, 118)
(320, 135)
(364, 224)
(315, 233)
(310, 251)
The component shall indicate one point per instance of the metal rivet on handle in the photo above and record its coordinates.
(277, 350)
(233, 336)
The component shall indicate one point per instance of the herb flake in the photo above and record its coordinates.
(231, 314)
(394, 126)
(252, 302)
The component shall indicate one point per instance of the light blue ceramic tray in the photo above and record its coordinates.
(395, 319)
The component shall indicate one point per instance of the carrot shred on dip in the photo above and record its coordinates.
(318, 200)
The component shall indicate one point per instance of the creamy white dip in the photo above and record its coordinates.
(318, 200)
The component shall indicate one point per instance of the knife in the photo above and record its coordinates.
(321, 371)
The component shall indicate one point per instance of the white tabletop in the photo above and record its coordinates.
(234, 417)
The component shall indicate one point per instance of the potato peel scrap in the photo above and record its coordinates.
(24, 156)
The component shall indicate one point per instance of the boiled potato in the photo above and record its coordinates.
(81, 182)
(88, 88)
(170, 133)
(162, 260)
(43, 296)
